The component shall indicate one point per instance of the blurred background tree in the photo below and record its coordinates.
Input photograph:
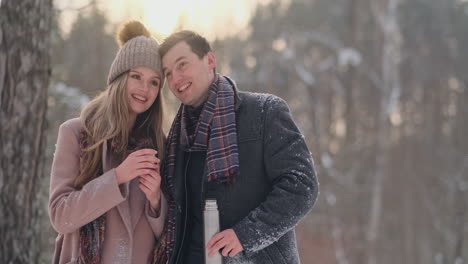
(88, 52)
(379, 92)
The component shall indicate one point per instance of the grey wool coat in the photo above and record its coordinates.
(277, 185)
(131, 226)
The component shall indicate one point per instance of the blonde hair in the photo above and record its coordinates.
(106, 118)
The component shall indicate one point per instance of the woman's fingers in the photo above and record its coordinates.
(147, 165)
(143, 152)
(143, 171)
(150, 186)
(151, 180)
(138, 163)
(144, 189)
(147, 158)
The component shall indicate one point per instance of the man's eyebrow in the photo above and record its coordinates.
(177, 60)
(180, 58)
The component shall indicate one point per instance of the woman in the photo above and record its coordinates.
(105, 197)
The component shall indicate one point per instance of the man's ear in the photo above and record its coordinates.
(211, 59)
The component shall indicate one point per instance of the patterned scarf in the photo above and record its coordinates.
(215, 133)
(92, 234)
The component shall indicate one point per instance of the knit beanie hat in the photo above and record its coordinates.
(137, 48)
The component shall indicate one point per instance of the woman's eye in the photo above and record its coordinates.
(155, 83)
(135, 76)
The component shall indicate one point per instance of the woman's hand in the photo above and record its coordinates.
(140, 162)
(150, 185)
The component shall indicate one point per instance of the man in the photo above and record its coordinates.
(242, 149)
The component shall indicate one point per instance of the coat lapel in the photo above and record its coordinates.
(137, 203)
(123, 207)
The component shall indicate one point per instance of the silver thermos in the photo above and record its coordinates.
(211, 226)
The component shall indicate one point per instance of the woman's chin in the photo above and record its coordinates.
(140, 109)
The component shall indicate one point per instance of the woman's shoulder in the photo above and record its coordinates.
(73, 124)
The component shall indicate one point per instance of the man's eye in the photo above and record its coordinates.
(182, 64)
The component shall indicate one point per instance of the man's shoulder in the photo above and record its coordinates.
(255, 107)
(254, 96)
(260, 100)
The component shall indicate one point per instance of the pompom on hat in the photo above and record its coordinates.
(137, 48)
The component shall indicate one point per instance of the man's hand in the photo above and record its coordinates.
(228, 241)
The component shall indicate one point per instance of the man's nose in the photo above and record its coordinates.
(176, 76)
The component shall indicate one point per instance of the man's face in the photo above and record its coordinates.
(188, 76)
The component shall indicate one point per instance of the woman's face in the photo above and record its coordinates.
(143, 86)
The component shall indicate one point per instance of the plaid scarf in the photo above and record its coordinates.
(215, 133)
(92, 234)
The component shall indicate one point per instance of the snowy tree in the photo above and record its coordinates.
(24, 77)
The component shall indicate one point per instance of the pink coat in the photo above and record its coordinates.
(131, 226)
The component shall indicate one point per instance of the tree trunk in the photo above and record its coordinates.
(24, 77)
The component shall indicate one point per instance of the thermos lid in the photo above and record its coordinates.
(210, 204)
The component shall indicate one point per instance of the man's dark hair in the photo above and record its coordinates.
(197, 43)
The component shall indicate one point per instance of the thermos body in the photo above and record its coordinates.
(211, 226)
